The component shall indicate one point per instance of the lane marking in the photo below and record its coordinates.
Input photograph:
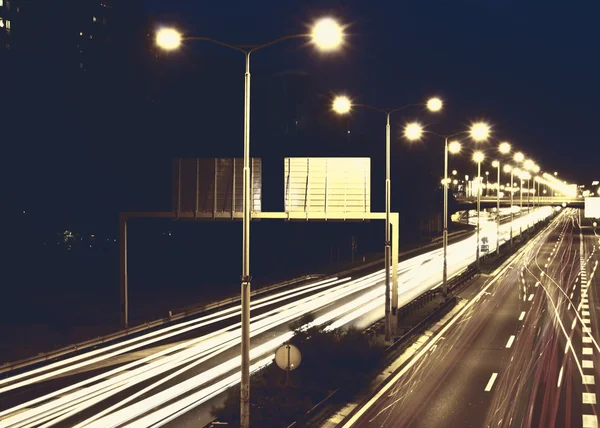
(522, 316)
(511, 339)
(588, 398)
(415, 358)
(530, 297)
(585, 313)
(590, 421)
(587, 339)
(587, 351)
(587, 364)
(490, 383)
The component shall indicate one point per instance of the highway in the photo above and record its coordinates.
(158, 378)
(521, 352)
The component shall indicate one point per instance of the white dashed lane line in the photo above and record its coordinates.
(490, 383)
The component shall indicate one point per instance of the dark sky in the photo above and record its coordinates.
(530, 67)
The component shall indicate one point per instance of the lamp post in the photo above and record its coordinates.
(478, 157)
(496, 164)
(504, 148)
(536, 184)
(508, 168)
(327, 35)
(478, 132)
(343, 105)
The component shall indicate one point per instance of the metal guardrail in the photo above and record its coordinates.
(78, 347)
(456, 283)
(102, 340)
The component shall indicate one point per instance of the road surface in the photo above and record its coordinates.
(158, 378)
(522, 353)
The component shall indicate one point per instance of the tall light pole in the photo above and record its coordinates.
(504, 148)
(478, 157)
(343, 105)
(327, 35)
(536, 184)
(478, 132)
(508, 168)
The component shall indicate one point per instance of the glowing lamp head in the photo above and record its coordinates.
(504, 148)
(413, 131)
(342, 105)
(519, 157)
(434, 104)
(495, 164)
(528, 165)
(168, 39)
(536, 169)
(327, 35)
(507, 168)
(480, 131)
(454, 147)
(478, 157)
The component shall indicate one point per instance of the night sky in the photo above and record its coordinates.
(80, 148)
(530, 68)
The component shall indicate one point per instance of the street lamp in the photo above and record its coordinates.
(529, 165)
(327, 35)
(504, 148)
(536, 169)
(519, 157)
(343, 105)
(507, 169)
(478, 157)
(478, 132)
(168, 38)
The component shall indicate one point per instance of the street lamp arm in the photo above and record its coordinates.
(218, 42)
(272, 42)
(385, 110)
(247, 49)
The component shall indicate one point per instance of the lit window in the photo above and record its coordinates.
(1, 2)
(81, 33)
(1, 23)
(7, 24)
(94, 19)
(90, 36)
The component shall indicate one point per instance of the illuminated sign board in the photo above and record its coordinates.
(336, 185)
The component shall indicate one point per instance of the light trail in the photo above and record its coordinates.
(338, 301)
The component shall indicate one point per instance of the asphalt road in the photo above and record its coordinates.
(517, 355)
(175, 373)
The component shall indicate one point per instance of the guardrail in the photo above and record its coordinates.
(187, 312)
(78, 347)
